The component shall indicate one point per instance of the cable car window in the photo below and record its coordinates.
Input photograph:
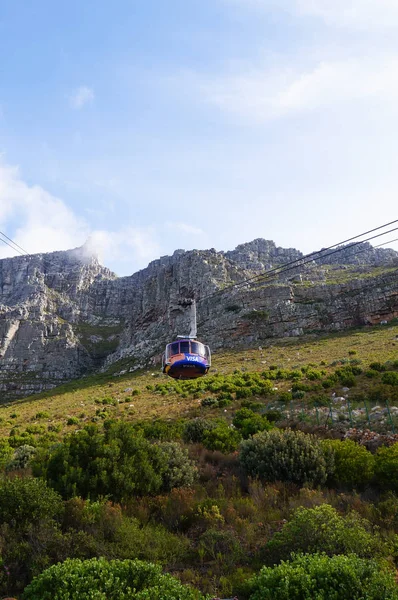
(174, 348)
(184, 347)
(195, 348)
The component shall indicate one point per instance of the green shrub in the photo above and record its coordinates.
(42, 415)
(160, 429)
(298, 395)
(285, 456)
(273, 415)
(322, 529)
(27, 501)
(285, 397)
(249, 422)
(390, 378)
(222, 438)
(319, 577)
(377, 366)
(178, 470)
(386, 467)
(372, 373)
(6, 452)
(195, 429)
(213, 402)
(98, 579)
(72, 421)
(221, 545)
(328, 383)
(21, 458)
(346, 375)
(244, 393)
(353, 464)
(109, 532)
(300, 387)
(314, 374)
(118, 464)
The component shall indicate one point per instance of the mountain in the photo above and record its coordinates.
(63, 315)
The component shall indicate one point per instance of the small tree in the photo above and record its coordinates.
(248, 422)
(322, 529)
(98, 579)
(353, 464)
(386, 467)
(179, 470)
(285, 456)
(27, 501)
(320, 577)
(222, 438)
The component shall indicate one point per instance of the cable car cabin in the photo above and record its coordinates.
(186, 359)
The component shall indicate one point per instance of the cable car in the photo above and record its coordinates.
(187, 358)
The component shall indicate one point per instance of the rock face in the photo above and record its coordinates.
(63, 315)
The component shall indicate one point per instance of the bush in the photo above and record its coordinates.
(101, 528)
(285, 456)
(377, 366)
(221, 545)
(353, 464)
(195, 429)
(390, 378)
(386, 467)
(26, 501)
(372, 373)
(98, 579)
(212, 402)
(249, 423)
(179, 471)
(118, 464)
(322, 529)
(320, 577)
(222, 438)
(21, 458)
(6, 451)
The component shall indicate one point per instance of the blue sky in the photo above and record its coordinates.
(150, 126)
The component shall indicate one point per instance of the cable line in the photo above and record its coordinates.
(13, 247)
(272, 273)
(284, 270)
(15, 244)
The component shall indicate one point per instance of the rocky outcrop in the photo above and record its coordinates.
(63, 315)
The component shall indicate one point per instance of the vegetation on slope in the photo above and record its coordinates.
(211, 479)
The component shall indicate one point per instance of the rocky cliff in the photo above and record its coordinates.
(63, 315)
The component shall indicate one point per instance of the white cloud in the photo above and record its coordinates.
(41, 222)
(261, 94)
(83, 95)
(127, 246)
(355, 14)
(361, 14)
(185, 228)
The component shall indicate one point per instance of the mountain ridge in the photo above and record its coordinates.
(62, 314)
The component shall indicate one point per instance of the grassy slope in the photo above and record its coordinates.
(81, 399)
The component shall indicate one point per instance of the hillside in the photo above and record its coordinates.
(139, 466)
(289, 444)
(147, 394)
(62, 315)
